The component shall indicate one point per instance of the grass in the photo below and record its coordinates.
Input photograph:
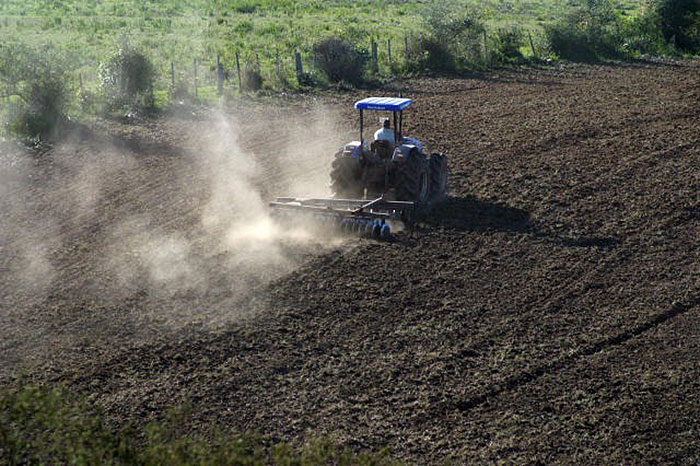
(48, 425)
(179, 31)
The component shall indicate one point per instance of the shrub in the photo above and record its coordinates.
(437, 55)
(127, 79)
(42, 84)
(507, 44)
(679, 22)
(43, 108)
(642, 35)
(340, 61)
(39, 425)
(590, 32)
(251, 79)
(179, 91)
(454, 35)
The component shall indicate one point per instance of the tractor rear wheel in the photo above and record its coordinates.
(413, 179)
(438, 176)
(345, 178)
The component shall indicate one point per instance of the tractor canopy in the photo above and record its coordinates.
(384, 104)
(395, 105)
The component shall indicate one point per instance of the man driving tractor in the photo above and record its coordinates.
(385, 133)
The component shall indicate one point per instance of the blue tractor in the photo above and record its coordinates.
(375, 184)
(397, 169)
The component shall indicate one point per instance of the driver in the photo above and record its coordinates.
(385, 133)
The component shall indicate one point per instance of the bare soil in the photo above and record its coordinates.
(547, 311)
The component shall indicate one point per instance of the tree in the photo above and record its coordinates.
(679, 21)
(127, 79)
(40, 79)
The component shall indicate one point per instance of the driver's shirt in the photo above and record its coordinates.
(384, 134)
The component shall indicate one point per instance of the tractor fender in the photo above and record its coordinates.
(413, 142)
(403, 152)
(352, 149)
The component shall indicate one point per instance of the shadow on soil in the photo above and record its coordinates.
(474, 215)
(133, 141)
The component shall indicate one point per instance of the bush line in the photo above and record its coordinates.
(43, 90)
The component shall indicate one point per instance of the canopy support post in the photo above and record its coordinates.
(361, 128)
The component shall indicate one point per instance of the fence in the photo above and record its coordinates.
(203, 77)
(209, 77)
(279, 67)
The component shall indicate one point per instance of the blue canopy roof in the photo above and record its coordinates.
(388, 104)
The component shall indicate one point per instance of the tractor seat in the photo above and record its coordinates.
(382, 148)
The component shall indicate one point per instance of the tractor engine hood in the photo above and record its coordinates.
(414, 142)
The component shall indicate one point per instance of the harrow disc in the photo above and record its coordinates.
(385, 233)
(360, 217)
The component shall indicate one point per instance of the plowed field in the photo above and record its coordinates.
(546, 311)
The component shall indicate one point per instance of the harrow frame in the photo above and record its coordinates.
(369, 218)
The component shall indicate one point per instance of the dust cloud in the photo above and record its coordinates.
(127, 231)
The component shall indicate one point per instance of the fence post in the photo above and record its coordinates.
(195, 77)
(172, 74)
(300, 68)
(238, 70)
(388, 49)
(532, 45)
(277, 62)
(486, 50)
(421, 59)
(405, 48)
(219, 75)
(80, 82)
(375, 65)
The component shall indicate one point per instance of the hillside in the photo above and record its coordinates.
(546, 312)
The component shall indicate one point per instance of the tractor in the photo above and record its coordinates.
(396, 170)
(375, 184)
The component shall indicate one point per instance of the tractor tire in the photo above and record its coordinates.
(437, 166)
(346, 178)
(413, 180)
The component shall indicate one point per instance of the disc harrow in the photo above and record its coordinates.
(359, 217)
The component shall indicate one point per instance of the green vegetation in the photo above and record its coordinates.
(41, 90)
(508, 45)
(127, 79)
(595, 29)
(679, 22)
(454, 36)
(41, 425)
(193, 50)
(178, 31)
(339, 61)
(590, 31)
